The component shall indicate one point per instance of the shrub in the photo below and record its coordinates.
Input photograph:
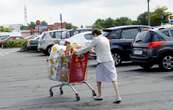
(16, 43)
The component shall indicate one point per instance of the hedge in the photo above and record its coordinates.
(16, 43)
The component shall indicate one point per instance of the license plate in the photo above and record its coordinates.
(137, 52)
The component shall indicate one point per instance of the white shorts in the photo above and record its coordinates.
(106, 72)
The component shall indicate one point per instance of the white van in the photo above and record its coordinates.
(49, 38)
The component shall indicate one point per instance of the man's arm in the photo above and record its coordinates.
(87, 48)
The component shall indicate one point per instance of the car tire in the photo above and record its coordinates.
(117, 58)
(48, 50)
(146, 66)
(166, 62)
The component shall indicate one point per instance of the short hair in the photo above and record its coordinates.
(96, 31)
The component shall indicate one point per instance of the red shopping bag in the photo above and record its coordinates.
(78, 68)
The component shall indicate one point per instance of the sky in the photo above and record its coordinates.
(77, 12)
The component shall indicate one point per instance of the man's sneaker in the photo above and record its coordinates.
(117, 101)
(98, 98)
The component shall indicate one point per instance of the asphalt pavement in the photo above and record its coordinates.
(24, 85)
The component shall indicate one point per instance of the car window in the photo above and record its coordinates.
(171, 32)
(156, 37)
(67, 34)
(143, 37)
(57, 34)
(52, 34)
(129, 33)
(88, 36)
(115, 34)
(144, 28)
(166, 33)
(44, 36)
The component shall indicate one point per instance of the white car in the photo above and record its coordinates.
(82, 39)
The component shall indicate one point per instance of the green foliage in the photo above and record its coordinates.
(44, 23)
(23, 27)
(16, 43)
(143, 18)
(5, 29)
(70, 26)
(158, 16)
(31, 25)
(109, 22)
(123, 21)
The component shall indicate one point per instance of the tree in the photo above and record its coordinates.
(5, 29)
(143, 18)
(70, 26)
(123, 21)
(158, 16)
(99, 23)
(31, 25)
(44, 23)
(109, 22)
(23, 27)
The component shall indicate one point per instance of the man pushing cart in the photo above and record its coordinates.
(67, 68)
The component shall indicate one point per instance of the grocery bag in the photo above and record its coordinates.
(78, 68)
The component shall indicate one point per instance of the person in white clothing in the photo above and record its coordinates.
(105, 70)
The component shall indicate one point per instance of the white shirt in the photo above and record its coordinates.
(102, 49)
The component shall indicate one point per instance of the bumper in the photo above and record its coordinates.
(144, 60)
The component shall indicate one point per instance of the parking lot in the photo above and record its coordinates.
(24, 86)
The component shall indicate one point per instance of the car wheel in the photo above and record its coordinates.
(48, 50)
(117, 58)
(166, 62)
(146, 66)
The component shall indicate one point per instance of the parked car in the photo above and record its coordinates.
(33, 43)
(30, 37)
(2, 39)
(82, 38)
(49, 38)
(121, 38)
(168, 31)
(153, 47)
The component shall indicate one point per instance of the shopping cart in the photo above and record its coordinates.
(73, 72)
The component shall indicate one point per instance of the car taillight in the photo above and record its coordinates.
(155, 44)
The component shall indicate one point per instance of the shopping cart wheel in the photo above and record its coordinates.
(77, 97)
(93, 93)
(61, 91)
(50, 93)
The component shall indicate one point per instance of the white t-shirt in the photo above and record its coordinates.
(102, 48)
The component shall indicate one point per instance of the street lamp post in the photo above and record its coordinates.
(61, 24)
(148, 2)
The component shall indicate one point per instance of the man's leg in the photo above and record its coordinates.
(99, 84)
(99, 94)
(116, 90)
